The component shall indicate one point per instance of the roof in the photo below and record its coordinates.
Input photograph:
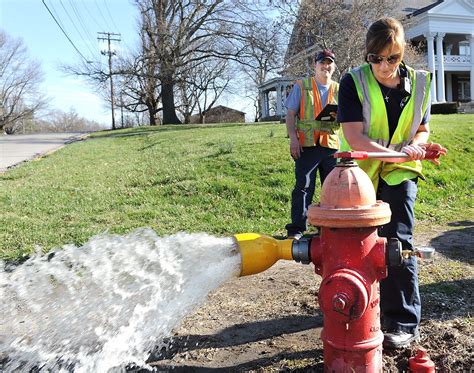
(425, 9)
(217, 109)
(224, 108)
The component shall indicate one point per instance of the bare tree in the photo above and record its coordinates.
(71, 121)
(202, 86)
(175, 38)
(263, 57)
(20, 79)
(138, 79)
(182, 34)
(138, 87)
(334, 25)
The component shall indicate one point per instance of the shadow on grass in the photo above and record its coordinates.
(447, 300)
(457, 244)
(146, 130)
(151, 145)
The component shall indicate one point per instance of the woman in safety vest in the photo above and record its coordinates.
(384, 106)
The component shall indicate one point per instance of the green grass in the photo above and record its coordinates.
(220, 179)
(447, 193)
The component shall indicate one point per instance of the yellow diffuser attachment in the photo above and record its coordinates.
(260, 252)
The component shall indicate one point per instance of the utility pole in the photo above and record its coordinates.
(110, 36)
(121, 107)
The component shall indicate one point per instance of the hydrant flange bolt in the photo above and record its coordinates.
(339, 302)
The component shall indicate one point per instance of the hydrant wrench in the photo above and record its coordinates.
(360, 155)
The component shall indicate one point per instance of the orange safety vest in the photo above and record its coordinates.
(310, 131)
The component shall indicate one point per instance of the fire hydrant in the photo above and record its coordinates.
(351, 259)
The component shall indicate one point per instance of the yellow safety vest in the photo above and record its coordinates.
(375, 123)
(310, 131)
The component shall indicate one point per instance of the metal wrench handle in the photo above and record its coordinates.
(364, 155)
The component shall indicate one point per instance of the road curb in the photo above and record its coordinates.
(41, 155)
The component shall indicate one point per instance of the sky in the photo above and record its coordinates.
(46, 43)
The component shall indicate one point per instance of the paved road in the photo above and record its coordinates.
(15, 149)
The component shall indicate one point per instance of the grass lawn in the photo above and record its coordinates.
(220, 179)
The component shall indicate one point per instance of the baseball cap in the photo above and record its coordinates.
(325, 54)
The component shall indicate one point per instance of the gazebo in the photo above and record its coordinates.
(272, 95)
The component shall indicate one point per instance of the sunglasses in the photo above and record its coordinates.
(376, 59)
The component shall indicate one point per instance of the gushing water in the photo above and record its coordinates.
(109, 303)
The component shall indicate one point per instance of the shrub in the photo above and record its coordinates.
(444, 108)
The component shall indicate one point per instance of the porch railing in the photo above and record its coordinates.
(454, 59)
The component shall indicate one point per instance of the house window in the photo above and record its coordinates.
(464, 49)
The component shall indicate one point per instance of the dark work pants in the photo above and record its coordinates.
(313, 159)
(399, 294)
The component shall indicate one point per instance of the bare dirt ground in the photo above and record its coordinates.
(271, 321)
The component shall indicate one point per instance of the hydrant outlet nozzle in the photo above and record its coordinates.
(393, 253)
(300, 250)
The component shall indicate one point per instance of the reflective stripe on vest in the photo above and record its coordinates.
(312, 132)
(375, 123)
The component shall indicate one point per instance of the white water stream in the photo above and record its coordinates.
(109, 303)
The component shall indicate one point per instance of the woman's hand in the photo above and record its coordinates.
(431, 152)
(415, 152)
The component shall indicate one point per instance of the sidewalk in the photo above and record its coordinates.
(15, 149)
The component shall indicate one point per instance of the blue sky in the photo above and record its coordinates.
(81, 19)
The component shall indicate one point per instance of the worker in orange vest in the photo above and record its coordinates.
(312, 142)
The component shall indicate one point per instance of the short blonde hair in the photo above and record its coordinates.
(383, 33)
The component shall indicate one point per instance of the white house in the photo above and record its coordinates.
(446, 29)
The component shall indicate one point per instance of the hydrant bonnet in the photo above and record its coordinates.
(348, 201)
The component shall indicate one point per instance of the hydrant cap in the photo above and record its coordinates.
(347, 187)
(348, 200)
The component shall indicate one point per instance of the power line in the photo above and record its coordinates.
(64, 32)
(76, 27)
(102, 14)
(110, 15)
(90, 37)
(91, 15)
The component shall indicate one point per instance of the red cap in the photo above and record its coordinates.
(325, 54)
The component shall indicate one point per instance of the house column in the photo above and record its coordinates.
(431, 63)
(263, 104)
(283, 99)
(279, 100)
(471, 46)
(439, 54)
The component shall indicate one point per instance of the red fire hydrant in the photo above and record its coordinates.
(349, 256)
(351, 259)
